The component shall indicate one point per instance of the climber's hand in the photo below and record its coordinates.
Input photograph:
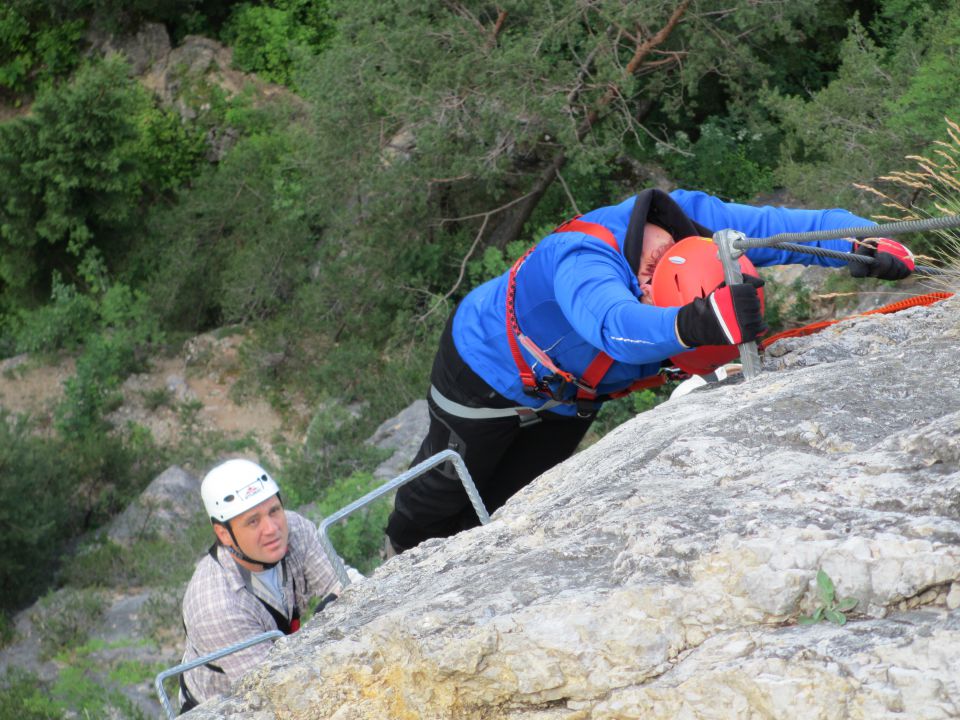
(730, 315)
(893, 260)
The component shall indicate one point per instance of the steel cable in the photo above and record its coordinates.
(788, 241)
(865, 259)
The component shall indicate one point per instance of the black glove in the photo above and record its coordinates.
(893, 260)
(324, 602)
(730, 315)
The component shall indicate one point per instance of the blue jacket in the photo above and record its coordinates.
(576, 296)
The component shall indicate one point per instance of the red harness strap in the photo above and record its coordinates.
(598, 367)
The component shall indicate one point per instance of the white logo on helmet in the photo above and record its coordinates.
(248, 491)
(677, 260)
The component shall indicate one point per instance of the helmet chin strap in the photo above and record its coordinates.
(237, 552)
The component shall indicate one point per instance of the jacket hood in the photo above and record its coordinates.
(657, 207)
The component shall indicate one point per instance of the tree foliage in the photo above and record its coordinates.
(74, 175)
(886, 102)
(266, 37)
(39, 42)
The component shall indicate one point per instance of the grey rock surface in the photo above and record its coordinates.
(660, 573)
(164, 508)
(403, 434)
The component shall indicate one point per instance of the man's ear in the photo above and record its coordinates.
(223, 535)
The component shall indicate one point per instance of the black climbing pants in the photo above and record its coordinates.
(502, 456)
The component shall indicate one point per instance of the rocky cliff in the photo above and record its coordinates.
(660, 573)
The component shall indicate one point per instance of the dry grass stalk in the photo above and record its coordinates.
(937, 180)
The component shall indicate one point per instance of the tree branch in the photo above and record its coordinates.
(498, 25)
(643, 49)
(466, 258)
(511, 229)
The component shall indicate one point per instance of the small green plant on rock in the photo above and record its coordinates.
(830, 608)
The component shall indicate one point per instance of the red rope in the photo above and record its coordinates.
(927, 299)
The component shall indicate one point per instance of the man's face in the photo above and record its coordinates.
(656, 242)
(261, 531)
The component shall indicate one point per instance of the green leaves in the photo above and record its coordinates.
(38, 44)
(266, 38)
(830, 608)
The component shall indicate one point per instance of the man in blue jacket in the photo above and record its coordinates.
(576, 311)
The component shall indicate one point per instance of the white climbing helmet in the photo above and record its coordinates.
(234, 487)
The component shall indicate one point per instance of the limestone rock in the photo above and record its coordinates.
(660, 573)
(164, 508)
(403, 434)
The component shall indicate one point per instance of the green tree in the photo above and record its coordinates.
(76, 176)
(886, 102)
(67, 177)
(438, 148)
(39, 43)
(265, 38)
(238, 242)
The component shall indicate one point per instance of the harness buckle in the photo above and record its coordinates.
(528, 416)
(587, 407)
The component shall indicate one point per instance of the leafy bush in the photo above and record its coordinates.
(239, 242)
(168, 152)
(68, 176)
(24, 697)
(38, 44)
(731, 162)
(73, 175)
(126, 328)
(265, 38)
(358, 539)
(36, 515)
(62, 324)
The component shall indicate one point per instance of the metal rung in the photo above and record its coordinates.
(229, 650)
(416, 471)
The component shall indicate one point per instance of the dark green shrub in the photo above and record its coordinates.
(68, 177)
(126, 327)
(237, 244)
(62, 324)
(265, 38)
(37, 513)
(732, 162)
(39, 42)
(74, 175)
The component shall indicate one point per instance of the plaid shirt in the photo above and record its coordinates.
(219, 608)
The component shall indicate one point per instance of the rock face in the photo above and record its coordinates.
(168, 505)
(660, 573)
(402, 434)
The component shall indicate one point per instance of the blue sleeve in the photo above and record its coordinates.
(592, 287)
(765, 221)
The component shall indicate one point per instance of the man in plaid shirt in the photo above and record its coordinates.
(266, 565)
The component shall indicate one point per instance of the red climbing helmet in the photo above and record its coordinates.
(690, 269)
